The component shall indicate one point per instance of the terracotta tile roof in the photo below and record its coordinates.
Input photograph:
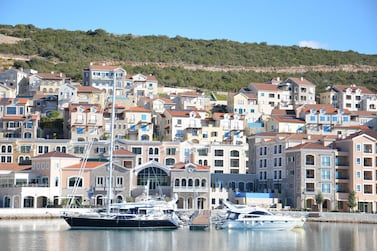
(123, 152)
(370, 133)
(87, 165)
(137, 109)
(55, 154)
(221, 115)
(182, 165)
(329, 109)
(55, 76)
(189, 94)
(88, 89)
(288, 119)
(14, 167)
(300, 81)
(363, 89)
(166, 101)
(6, 101)
(175, 113)
(86, 107)
(364, 113)
(13, 118)
(265, 87)
(309, 145)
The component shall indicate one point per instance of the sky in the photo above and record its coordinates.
(327, 24)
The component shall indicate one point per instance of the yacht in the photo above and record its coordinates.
(150, 214)
(257, 218)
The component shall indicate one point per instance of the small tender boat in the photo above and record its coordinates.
(257, 218)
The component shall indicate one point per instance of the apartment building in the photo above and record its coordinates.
(191, 182)
(83, 122)
(351, 97)
(358, 169)
(48, 83)
(16, 119)
(310, 170)
(12, 81)
(139, 124)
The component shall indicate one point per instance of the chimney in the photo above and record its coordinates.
(302, 78)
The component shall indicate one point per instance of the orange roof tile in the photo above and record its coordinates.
(55, 154)
(14, 167)
(87, 165)
(265, 87)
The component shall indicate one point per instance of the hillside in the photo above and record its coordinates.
(210, 64)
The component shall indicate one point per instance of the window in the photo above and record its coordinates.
(203, 151)
(75, 180)
(358, 161)
(234, 153)
(25, 149)
(119, 181)
(325, 174)
(325, 188)
(169, 161)
(78, 149)
(358, 174)
(367, 148)
(309, 160)
(219, 163)
(358, 147)
(325, 160)
(310, 174)
(100, 181)
(171, 151)
(219, 152)
(136, 150)
(11, 110)
(234, 163)
(358, 188)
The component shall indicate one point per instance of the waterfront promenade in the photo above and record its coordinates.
(51, 213)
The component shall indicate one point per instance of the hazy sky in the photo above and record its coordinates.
(328, 24)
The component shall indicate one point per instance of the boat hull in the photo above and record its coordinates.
(110, 223)
(260, 225)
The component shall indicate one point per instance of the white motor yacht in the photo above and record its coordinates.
(257, 218)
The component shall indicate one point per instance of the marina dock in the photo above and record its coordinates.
(201, 221)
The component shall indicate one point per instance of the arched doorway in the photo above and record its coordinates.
(326, 205)
(7, 202)
(309, 203)
(190, 203)
(200, 203)
(100, 200)
(180, 203)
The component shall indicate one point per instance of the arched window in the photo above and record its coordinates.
(150, 150)
(234, 153)
(205, 163)
(3, 149)
(156, 177)
(197, 182)
(309, 160)
(190, 182)
(184, 182)
(9, 149)
(156, 151)
(176, 183)
(72, 181)
(204, 182)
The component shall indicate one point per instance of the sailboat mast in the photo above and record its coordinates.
(109, 189)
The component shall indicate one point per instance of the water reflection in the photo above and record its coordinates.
(55, 235)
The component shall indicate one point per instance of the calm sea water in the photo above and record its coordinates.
(54, 235)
